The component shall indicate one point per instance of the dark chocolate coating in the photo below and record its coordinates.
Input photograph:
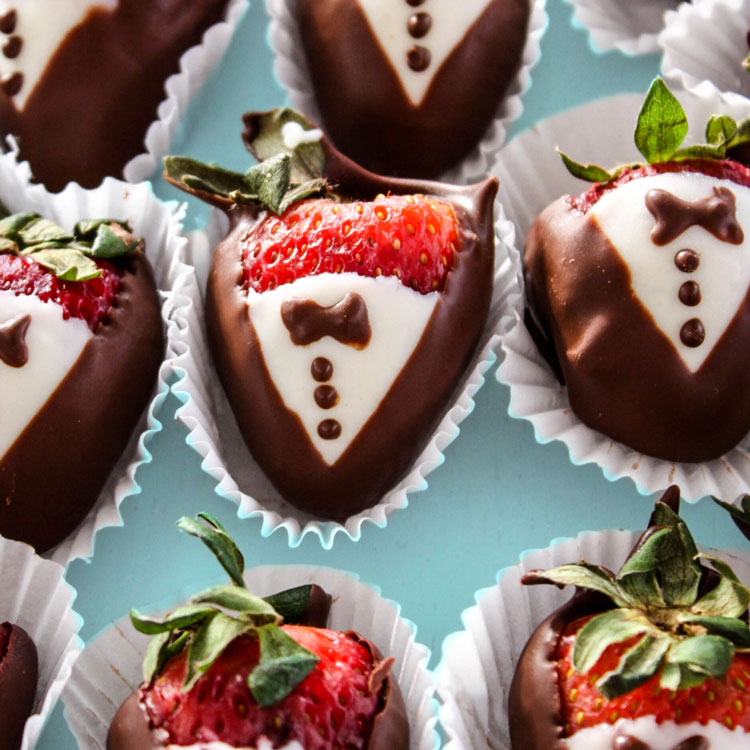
(54, 471)
(131, 728)
(624, 377)
(365, 109)
(88, 114)
(18, 677)
(387, 445)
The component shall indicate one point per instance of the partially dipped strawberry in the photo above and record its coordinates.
(18, 678)
(237, 676)
(642, 284)
(655, 656)
(80, 341)
(342, 309)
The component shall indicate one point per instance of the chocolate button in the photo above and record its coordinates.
(329, 429)
(326, 396)
(12, 48)
(8, 22)
(415, 3)
(692, 333)
(629, 743)
(321, 369)
(11, 84)
(687, 260)
(418, 58)
(690, 293)
(419, 24)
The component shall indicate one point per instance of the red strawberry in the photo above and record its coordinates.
(411, 237)
(333, 707)
(655, 655)
(89, 299)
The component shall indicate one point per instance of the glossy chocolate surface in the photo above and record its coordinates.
(88, 115)
(53, 473)
(613, 357)
(18, 677)
(396, 432)
(364, 107)
(13, 349)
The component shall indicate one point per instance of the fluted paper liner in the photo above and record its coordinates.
(291, 70)
(159, 224)
(36, 598)
(704, 45)
(478, 662)
(110, 667)
(630, 26)
(214, 433)
(532, 176)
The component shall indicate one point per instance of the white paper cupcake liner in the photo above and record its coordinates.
(214, 433)
(110, 667)
(196, 65)
(159, 224)
(527, 185)
(36, 597)
(291, 70)
(478, 662)
(631, 26)
(706, 41)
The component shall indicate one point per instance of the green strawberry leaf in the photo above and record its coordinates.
(208, 178)
(300, 192)
(271, 180)
(662, 124)
(613, 626)
(160, 650)
(283, 665)
(292, 603)
(43, 230)
(638, 576)
(700, 151)
(731, 628)
(583, 575)
(181, 617)
(111, 240)
(11, 225)
(210, 640)
(215, 537)
(729, 598)
(637, 666)
(742, 513)
(691, 661)
(238, 599)
(588, 172)
(9, 246)
(720, 130)
(66, 264)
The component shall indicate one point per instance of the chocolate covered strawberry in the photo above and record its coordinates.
(654, 657)
(232, 668)
(342, 309)
(642, 285)
(80, 342)
(18, 677)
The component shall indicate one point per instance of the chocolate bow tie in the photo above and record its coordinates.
(631, 743)
(716, 214)
(346, 321)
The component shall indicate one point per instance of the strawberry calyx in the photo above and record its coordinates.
(685, 611)
(215, 618)
(659, 133)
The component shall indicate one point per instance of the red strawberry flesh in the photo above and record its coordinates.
(726, 701)
(89, 300)
(331, 709)
(722, 169)
(411, 237)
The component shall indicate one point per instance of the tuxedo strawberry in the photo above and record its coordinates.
(102, 63)
(654, 657)
(342, 309)
(246, 680)
(642, 285)
(435, 76)
(80, 342)
(18, 678)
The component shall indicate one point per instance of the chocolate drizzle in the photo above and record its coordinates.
(716, 214)
(346, 321)
(13, 349)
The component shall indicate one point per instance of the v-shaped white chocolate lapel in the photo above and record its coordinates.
(450, 22)
(722, 273)
(41, 26)
(362, 377)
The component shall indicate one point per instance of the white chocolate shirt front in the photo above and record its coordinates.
(362, 377)
(723, 273)
(54, 345)
(451, 21)
(42, 25)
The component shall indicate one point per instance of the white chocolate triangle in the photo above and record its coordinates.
(362, 377)
(42, 25)
(451, 21)
(723, 273)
